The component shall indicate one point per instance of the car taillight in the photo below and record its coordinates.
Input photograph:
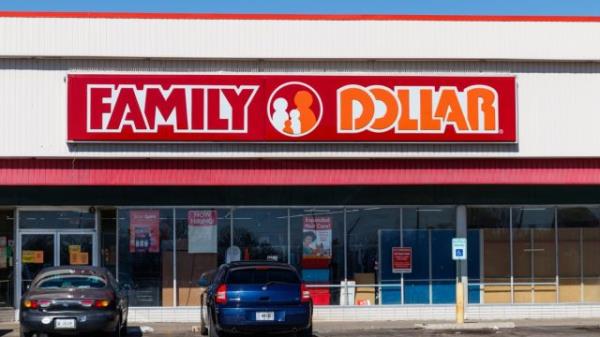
(102, 303)
(221, 297)
(31, 304)
(87, 303)
(44, 303)
(304, 293)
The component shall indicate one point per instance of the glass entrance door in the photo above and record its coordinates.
(54, 248)
(37, 252)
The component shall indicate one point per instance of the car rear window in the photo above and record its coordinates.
(71, 281)
(262, 276)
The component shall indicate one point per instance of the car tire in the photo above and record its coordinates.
(203, 328)
(306, 332)
(25, 334)
(117, 331)
(124, 329)
(212, 330)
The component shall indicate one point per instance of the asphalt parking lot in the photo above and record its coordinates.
(379, 329)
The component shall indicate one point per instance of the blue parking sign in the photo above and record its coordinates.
(459, 249)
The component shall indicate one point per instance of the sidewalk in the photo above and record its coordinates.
(321, 328)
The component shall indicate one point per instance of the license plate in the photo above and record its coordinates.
(265, 316)
(64, 324)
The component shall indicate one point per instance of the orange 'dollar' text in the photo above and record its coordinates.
(417, 109)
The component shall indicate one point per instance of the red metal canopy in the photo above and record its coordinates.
(150, 172)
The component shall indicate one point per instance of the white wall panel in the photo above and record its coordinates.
(558, 110)
(298, 39)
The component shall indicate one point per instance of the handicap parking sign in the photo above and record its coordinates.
(459, 249)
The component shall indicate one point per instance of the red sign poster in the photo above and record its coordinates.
(291, 108)
(401, 260)
(316, 241)
(144, 231)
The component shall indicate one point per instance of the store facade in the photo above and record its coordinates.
(356, 164)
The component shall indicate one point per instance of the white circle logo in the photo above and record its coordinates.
(295, 109)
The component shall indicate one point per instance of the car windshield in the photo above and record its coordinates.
(262, 276)
(71, 281)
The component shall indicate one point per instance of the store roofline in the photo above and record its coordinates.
(297, 17)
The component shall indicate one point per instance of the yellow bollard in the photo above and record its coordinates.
(460, 302)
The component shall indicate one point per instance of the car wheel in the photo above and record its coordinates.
(203, 328)
(306, 333)
(117, 332)
(124, 329)
(25, 334)
(212, 331)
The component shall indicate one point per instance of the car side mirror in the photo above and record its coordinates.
(203, 282)
(206, 279)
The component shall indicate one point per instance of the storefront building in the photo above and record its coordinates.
(352, 147)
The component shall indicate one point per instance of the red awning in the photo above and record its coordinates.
(148, 172)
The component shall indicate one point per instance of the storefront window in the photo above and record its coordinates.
(534, 255)
(490, 228)
(6, 258)
(578, 241)
(261, 234)
(372, 233)
(201, 234)
(146, 255)
(591, 268)
(57, 219)
(432, 279)
(108, 239)
(317, 250)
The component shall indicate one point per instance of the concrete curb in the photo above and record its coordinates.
(466, 326)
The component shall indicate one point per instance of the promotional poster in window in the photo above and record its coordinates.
(144, 233)
(202, 231)
(316, 241)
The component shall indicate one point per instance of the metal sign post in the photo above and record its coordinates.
(459, 254)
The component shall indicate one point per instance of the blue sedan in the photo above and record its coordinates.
(255, 297)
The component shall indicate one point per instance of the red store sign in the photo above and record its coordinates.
(290, 108)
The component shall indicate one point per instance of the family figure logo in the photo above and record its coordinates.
(295, 109)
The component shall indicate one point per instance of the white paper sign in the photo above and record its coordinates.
(202, 231)
(459, 249)
(233, 254)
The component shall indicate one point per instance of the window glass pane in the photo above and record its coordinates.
(371, 232)
(108, 239)
(257, 276)
(261, 234)
(146, 255)
(202, 240)
(82, 255)
(71, 281)
(40, 249)
(6, 257)
(424, 228)
(320, 261)
(591, 267)
(578, 229)
(56, 219)
(489, 242)
(534, 254)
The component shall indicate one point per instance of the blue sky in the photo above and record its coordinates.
(476, 7)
